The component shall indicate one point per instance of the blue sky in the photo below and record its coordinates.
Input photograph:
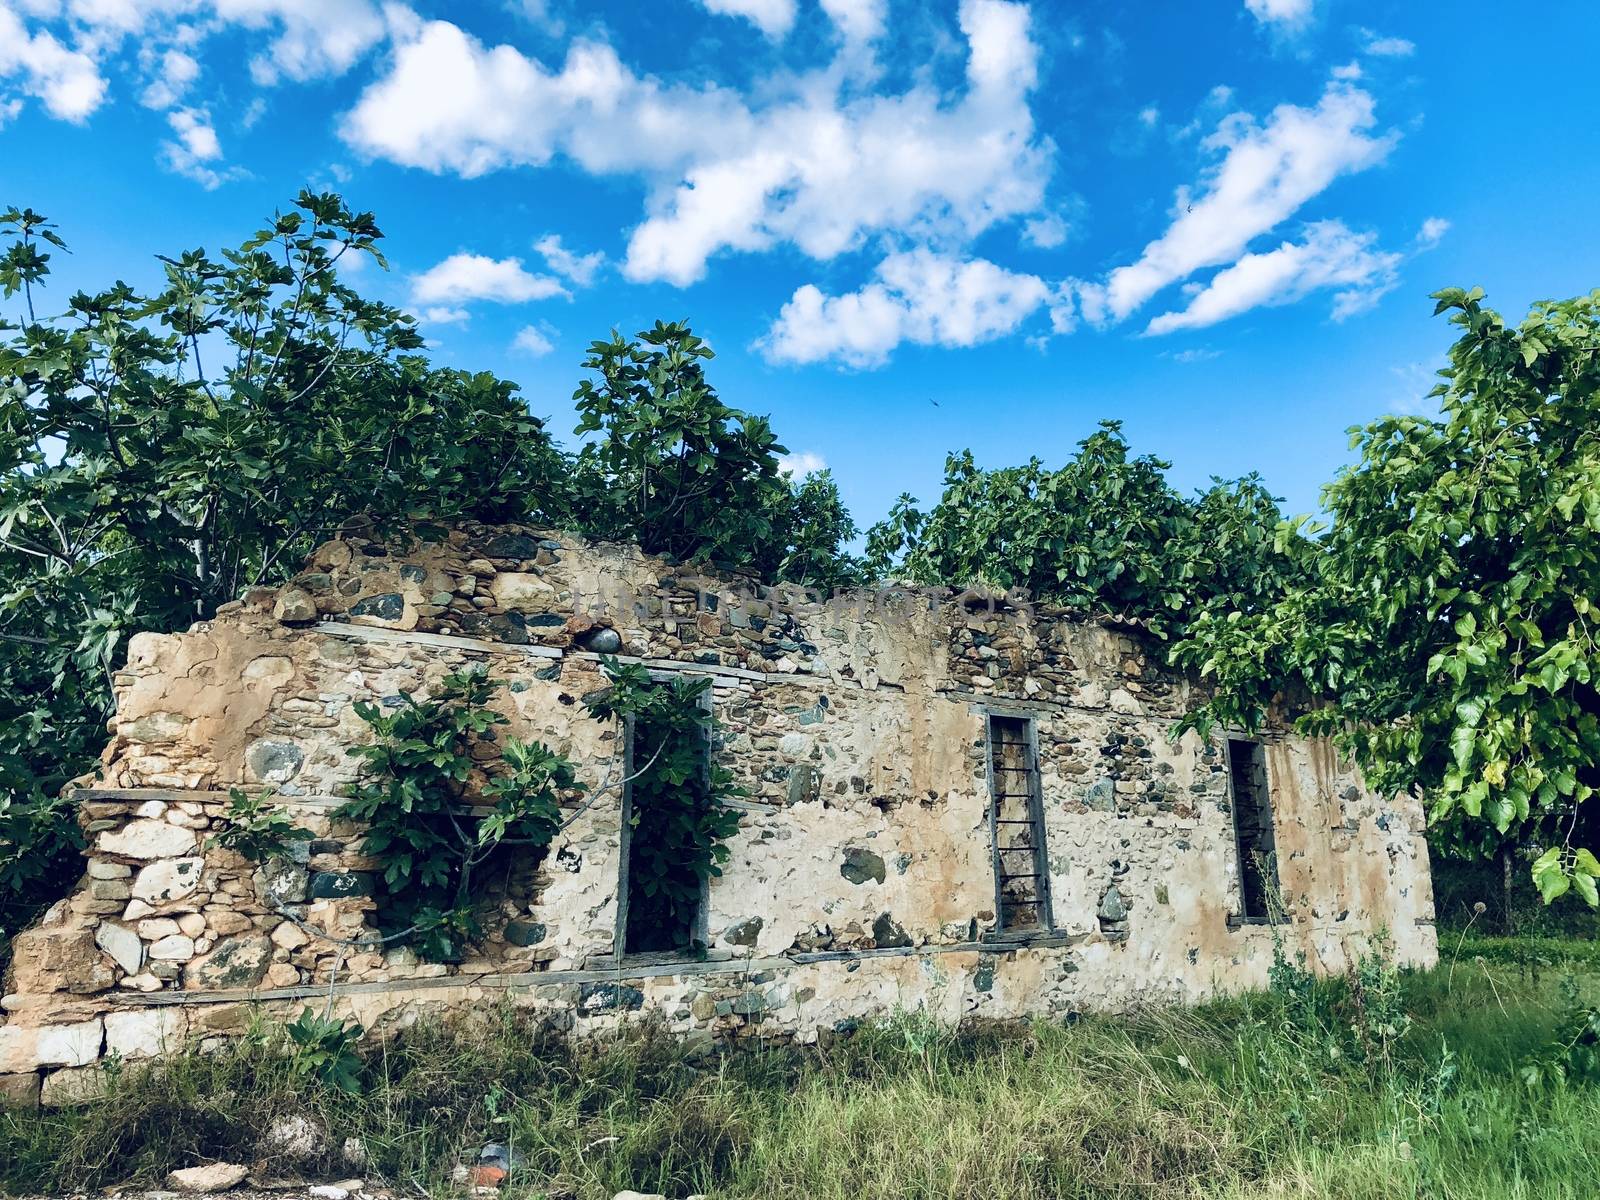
(906, 227)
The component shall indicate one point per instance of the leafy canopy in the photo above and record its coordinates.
(1449, 617)
(161, 452)
(1103, 533)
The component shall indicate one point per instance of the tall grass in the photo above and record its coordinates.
(1386, 1085)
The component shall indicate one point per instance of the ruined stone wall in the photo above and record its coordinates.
(861, 877)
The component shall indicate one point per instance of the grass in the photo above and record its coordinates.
(1388, 1085)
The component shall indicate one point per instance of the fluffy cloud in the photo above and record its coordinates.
(54, 51)
(533, 341)
(174, 71)
(1281, 14)
(773, 17)
(1331, 256)
(917, 296)
(578, 269)
(1266, 173)
(858, 21)
(1388, 47)
(1433, 229)
(801, 464)
(67, 82)
(194, 150)
(312, 38)
(810, 165)
(465, 277)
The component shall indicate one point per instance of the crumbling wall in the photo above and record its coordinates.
(861, 876)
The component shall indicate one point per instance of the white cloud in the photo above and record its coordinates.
(1330, 256)
(296, 39)
(917, 296)
(1433, 229)
(532, 341)
(464, 277)
(1266, 173)
(773, 17)
(1281, 14)
(1197, 354)
(578, 269)
(1046, 232)
(175, 71)
(1149, 115)
(194, 151)
(537, 13)
(67, 82)
(807, 164)
(858, 21)
(801, 464)
(1388, 47)
(444, 315)
(313, 37)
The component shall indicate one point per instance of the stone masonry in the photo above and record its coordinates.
(862, 878)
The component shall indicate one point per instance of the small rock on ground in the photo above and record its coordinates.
(214, 1177)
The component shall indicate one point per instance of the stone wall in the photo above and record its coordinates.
(861, 878)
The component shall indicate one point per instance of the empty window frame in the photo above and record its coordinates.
(659, 911)
(1252, 830)
(1016, 826)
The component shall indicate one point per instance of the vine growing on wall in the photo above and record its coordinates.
(441, 792)
(678, 816)
(425, 777)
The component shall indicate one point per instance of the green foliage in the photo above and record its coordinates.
(324, 1048)
(39, 844)
(161, 452)
(678, 816)
(1574, 1057)
(257, 828)
(673, 468)
(423, 772)
(1104, 533)
(1207, 1103)
(810, 527)
(1448, 622)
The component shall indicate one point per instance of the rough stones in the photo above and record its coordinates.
(609, 997)
(214, 1177)
(744, 933)
(886, 931)
(511, 589)
(297, 1138)
(56, 958)
(273, 761)
(147, 839)
(602, 641)
(144, 1033)
(173, 948)
(525, 933)
(122, 944)
(295, 607)
(861, 865)
(336, 885)
(164, 882)
(72, 1085)
(236, 962)
(24, 1048)
(387, 606)
(278, 882)
(1112, 906)
(19, 1091)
